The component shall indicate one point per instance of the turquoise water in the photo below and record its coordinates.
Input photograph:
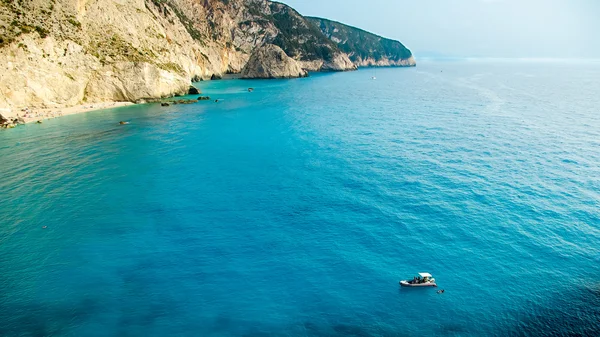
(295, 210)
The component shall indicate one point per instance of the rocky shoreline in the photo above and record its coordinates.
(10, 119)
(65, 54)
(27, 115)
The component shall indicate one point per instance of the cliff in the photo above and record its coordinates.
(60, 53)
(303, 41)
(364, 48)
(270, 61)
(68, 52)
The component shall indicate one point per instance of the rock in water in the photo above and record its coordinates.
(270, 61)
(193, 90)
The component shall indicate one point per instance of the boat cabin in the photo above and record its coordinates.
(423, 278)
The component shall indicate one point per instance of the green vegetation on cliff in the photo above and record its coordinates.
(59, 53)
(361, 45)
(298, 37)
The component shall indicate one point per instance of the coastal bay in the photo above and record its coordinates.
(296, 208)
(63, 54)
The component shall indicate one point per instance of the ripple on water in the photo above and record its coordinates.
(260, 216)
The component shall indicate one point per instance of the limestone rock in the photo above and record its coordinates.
(385, 62)
(270, 61)
(193, 90)
(62, 53)
(339, 62)
(131, 82)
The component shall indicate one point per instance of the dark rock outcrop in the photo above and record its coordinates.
(9, 122)
(3, 119)
(193, 91)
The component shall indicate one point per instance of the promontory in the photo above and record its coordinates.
(62, 53)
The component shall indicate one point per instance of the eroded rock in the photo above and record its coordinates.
(270, 61)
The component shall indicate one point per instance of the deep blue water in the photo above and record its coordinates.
(295, 210)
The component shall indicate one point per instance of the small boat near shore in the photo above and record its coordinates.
(423, 280)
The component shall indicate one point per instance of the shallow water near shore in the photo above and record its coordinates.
(294, 210)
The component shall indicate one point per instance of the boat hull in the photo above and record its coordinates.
(417, 285)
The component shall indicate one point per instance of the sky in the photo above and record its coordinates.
(473, 28)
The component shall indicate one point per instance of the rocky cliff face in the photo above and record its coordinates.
(67, 52)
(270, 61)
(364, 48)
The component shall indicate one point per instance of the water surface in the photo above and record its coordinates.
(295, 210)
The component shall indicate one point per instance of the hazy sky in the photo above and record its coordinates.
(490, 28)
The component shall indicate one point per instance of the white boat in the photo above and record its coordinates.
(423, 280)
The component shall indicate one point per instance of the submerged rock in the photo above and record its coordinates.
(164, 104)
(270, 61)
(204, 98)
(183, 101)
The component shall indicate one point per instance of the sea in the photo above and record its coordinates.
(295, 209)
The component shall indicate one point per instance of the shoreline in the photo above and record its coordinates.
(10, 118)
(32, 115)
